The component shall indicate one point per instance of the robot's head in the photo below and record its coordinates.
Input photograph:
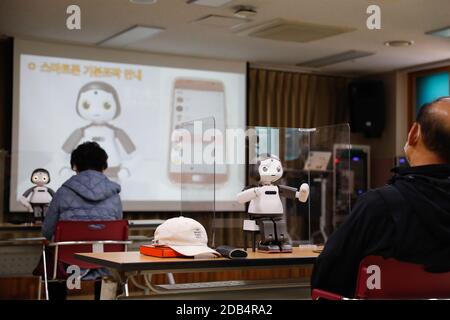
(98, 102)
(40, 177)
(267, 169)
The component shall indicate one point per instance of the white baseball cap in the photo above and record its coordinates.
(184, 235)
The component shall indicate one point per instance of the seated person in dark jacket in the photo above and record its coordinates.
(417, 229)
(88, 195)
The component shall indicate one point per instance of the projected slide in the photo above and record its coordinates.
(131, 111)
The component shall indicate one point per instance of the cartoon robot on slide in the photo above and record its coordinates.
(98, 102)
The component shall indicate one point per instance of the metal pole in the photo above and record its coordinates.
(45, 272)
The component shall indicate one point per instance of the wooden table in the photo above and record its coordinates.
(21, 244)
(132, 224)
(8, 228)
(35, 228)
(12, 227)
(128, 264)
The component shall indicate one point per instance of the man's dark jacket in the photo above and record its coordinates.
(416, 230)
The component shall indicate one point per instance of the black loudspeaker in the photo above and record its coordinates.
(367, 107)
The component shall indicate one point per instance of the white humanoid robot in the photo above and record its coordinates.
(39, 196)
(266, 209)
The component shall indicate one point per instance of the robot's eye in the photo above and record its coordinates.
(86, 105)
(107, 105)
(44, 179)
(279, 169)
(265, 169)
(35, 178)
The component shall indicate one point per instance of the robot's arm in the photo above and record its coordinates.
(288, 192)
(24, 199)
(28, 192)
(73, 141)
(248, 195)
(52, 193)
(125, 140)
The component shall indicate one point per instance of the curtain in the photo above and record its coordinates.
(295, 100)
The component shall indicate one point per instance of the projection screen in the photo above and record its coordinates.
(126, 101)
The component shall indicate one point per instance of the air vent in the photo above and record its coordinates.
(337, 58)
(303, 32)
(130, 36)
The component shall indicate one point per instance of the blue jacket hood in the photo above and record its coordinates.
(92, 185)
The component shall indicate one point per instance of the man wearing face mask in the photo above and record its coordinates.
(409, 219)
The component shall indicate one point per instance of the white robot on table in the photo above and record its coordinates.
(265, 208)
(37, 198)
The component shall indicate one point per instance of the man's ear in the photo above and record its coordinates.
(414, 134)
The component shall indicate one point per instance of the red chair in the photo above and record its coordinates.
(81, 237)
(398, 280)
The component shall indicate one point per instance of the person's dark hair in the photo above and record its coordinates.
(435, 132)
(89, 156)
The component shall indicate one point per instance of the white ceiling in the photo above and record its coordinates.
(401, 20)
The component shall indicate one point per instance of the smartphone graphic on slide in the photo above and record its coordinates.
(194, 99)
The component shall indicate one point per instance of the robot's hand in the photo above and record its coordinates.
(24, 201)
(303, 193)
(132, 161)
(64, 171)
(248, 195)
(123, 173)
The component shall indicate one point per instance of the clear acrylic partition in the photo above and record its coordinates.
(214, 166)
(198, 173)
(330, 184)
(319, 157)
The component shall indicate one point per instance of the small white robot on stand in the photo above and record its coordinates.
(39, 196)
(266, 209)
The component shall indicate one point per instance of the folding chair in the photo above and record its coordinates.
(398, 280)
(84, 236)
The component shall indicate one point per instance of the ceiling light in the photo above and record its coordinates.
(337, 58)
(444, 32)
(399, 43)
(209, 3)
(220, 21)
(143, 1)
(130, 36)
(244, 12)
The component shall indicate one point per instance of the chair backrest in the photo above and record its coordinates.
(400, 280)
(89, 231)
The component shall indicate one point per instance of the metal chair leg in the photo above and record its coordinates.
(170, 278)
(125, 288)
(44, 258)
